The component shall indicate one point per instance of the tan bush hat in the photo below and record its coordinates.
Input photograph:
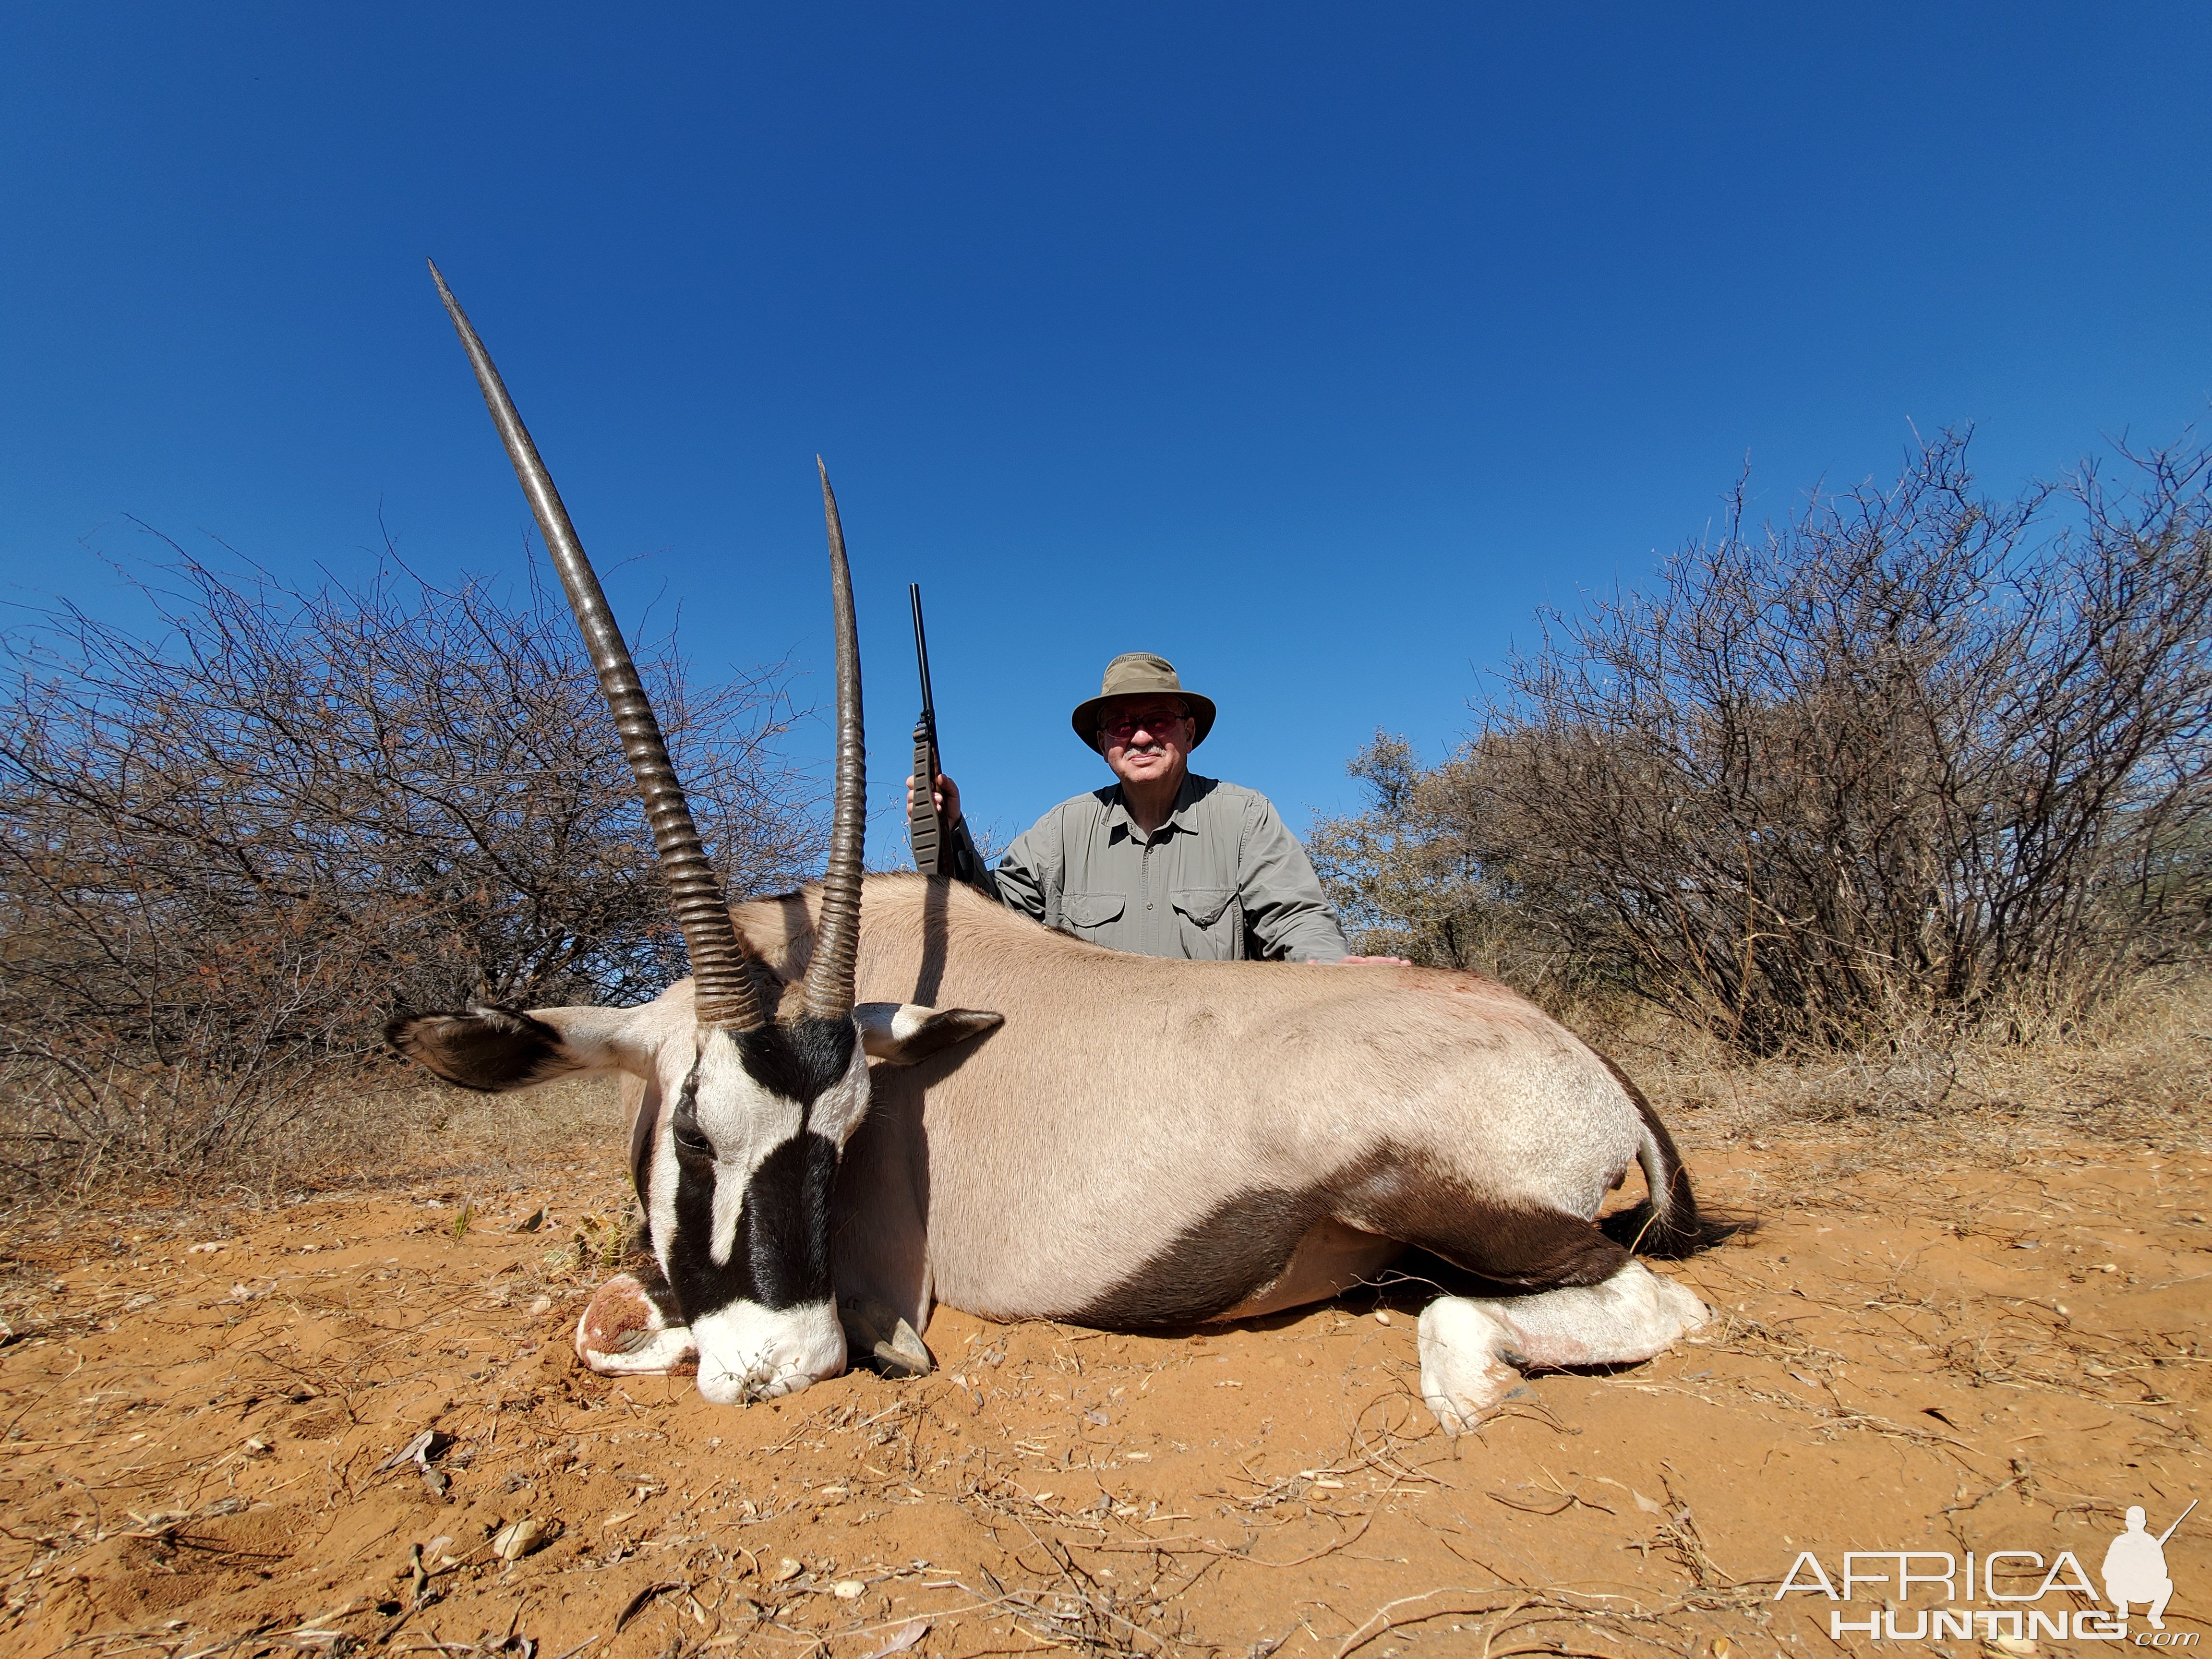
(1139, 673)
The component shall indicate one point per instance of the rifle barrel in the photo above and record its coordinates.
(2177, 1520)
(921, 655)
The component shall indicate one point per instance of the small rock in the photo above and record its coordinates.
(523, 1537)
(1381, 1315)
(847, 1590)
(786, 1571)
(256, 1448)
(205, 1250)
(540, 1306)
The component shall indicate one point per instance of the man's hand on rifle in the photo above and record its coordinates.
(946, 797)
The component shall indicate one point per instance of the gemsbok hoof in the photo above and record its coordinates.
(1462, 1375)
(1470, 1350)
(876, 1336)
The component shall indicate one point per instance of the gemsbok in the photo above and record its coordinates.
(1119, 1141)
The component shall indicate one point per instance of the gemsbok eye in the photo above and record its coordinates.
(689, 1140)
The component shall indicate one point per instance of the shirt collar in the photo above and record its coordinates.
(1186, 805)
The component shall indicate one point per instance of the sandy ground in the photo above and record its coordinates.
(1950, 1344)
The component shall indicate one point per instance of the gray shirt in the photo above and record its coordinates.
(1221, 880)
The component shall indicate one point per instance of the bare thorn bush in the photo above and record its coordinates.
(230, 846)
(1912, 760)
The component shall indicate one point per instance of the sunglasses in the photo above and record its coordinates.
(1150, 720)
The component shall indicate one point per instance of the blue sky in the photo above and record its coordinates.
(1312, 346)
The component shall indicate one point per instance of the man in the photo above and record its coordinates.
(1163, 862)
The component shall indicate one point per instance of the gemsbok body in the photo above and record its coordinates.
(885, 1093)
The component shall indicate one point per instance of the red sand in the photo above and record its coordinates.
(1944, 1358)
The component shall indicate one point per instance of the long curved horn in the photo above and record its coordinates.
(725, 989)
(837, 934)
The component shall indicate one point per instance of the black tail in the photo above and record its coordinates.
(1667, 1225)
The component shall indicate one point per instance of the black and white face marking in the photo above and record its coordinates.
(737, 1197)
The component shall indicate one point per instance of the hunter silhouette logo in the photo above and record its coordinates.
(2135, 1568)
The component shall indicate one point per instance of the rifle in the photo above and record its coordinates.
(934, 854)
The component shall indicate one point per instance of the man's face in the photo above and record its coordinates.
(1147, 739)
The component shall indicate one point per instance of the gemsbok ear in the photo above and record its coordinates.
(904, 1033)
(496, 1049)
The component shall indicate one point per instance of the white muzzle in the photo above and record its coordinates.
(749, 1352)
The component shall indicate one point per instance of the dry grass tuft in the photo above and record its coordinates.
(2134, 1071)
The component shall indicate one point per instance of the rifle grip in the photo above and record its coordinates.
(925, 827)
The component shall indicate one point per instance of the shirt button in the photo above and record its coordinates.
(1148, 906)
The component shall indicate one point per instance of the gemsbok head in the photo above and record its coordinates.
(749, 1095)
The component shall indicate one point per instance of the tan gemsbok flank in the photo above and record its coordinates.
(1119, 1141)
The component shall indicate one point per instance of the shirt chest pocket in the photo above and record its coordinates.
(1087, 913)
(1211, 922)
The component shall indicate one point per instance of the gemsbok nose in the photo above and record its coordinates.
(748, 1352)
